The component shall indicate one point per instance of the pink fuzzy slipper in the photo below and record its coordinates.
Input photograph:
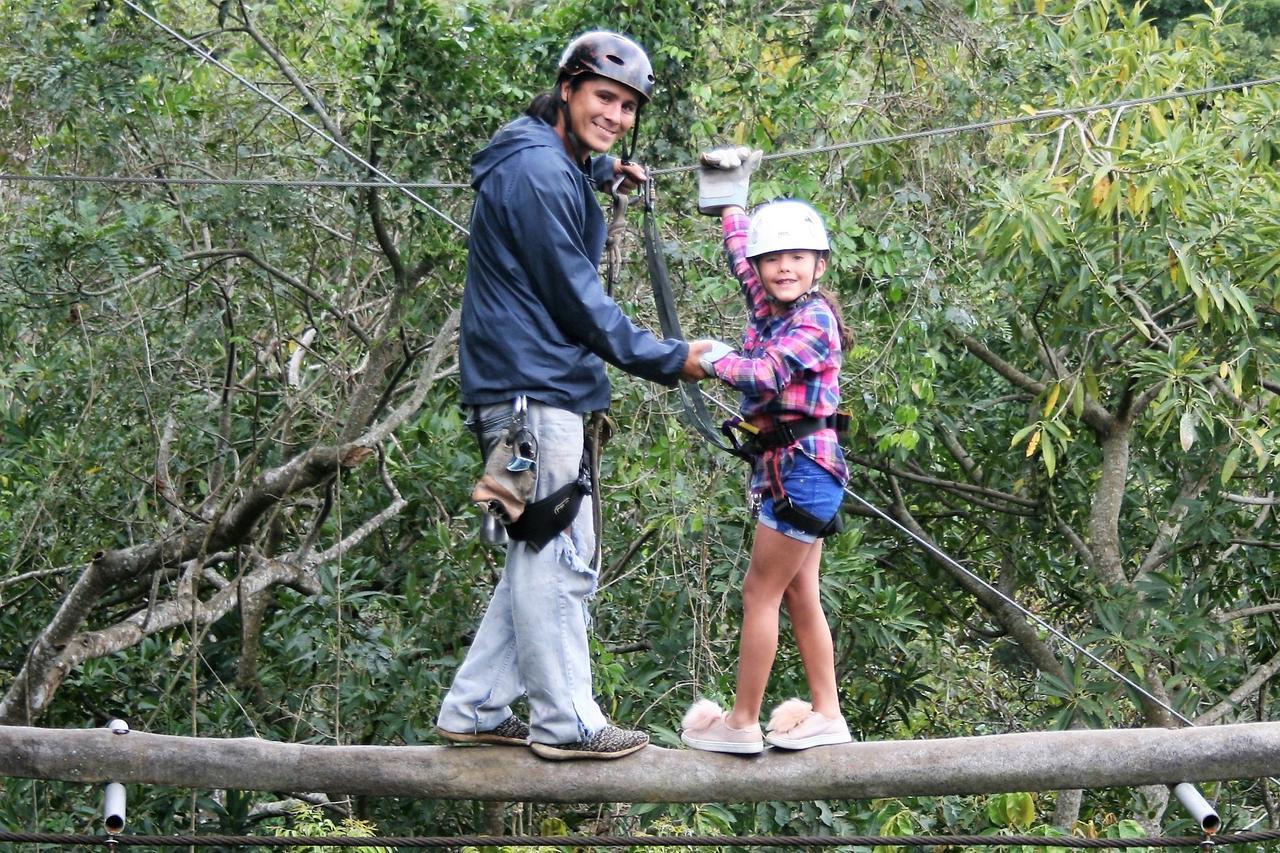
(788, 715)
(706, 727)
(795, 725)
(701, 714)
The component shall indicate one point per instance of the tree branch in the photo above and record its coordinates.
(296, 284)
(1242, 693)
(1094, 415)
(948, 485)
(1246, 612)
(44, 668)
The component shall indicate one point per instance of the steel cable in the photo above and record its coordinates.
(950, 130)
(209, 57)
(1000, 122)
(228, 182)
(563, 841)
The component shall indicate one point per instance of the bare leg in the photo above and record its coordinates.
(813, 634)
(775, 561)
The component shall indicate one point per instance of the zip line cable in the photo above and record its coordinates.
(1000, 122)
(949, 130)
(232, 182)
(391, 182)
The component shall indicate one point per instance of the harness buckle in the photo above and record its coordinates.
(523, 443)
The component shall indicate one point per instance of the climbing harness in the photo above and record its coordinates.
(784, 508)
(756, 441)
(752, 443)
(787, 510)
(546, 518)
(506, 488)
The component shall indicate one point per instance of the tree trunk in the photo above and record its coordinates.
(1104, 517)
(1047, 761)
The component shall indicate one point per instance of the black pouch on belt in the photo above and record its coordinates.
(542, 520)
(784, 509)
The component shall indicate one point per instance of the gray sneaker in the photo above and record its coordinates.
(609, 742)
(510, 732)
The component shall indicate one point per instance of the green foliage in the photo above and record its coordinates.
(1022, 299)
(310, 821)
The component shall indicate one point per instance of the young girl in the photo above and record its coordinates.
(788, 374)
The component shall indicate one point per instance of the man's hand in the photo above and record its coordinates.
(692, 370)
(717, 351)
(725, 177)
(628, 176)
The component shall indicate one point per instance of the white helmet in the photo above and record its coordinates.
(785, 224)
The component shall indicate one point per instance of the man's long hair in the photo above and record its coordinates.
(546, 105)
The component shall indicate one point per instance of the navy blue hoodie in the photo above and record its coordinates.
(535, 317)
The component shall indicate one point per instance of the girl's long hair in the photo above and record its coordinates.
(833, 302)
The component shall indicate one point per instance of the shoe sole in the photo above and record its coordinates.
(479, 737)
(806, 743)
(559, 753)
(731, 747)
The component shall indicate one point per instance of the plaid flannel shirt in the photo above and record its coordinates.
(789, 367)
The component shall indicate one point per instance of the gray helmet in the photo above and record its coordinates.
(609, 55)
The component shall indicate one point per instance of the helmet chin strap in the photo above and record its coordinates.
(813, 290)
(804, 297)
(635, 135)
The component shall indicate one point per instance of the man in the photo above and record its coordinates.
(537, 329)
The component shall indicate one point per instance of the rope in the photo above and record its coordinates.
(938, 553)
(999, 122)
(563, 841)
(230, 182)
(691, 393)
(210, 58)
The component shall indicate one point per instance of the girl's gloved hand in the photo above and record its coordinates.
(725, 177)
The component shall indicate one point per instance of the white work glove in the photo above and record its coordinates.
(718, 350)
(725, 177)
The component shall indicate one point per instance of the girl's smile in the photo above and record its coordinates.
(790, 274)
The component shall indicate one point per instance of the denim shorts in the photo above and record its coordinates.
(811, 487)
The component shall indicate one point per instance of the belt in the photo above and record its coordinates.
(782, 434)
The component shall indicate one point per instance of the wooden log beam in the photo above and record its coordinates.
(1040, 761)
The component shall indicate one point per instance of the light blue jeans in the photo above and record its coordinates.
(533, 637)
